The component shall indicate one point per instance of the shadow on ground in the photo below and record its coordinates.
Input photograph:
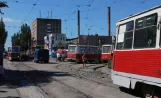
(98, 67)
(15, 78)
(130, 91)
(47, 63)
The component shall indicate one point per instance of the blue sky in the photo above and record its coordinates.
(95, 15)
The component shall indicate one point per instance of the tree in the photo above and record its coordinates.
(58, 46)
(2, 5)
(25, 36)
(16, 39)
(3, 32)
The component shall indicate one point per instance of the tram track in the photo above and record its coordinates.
(52, 79)
(29, 82)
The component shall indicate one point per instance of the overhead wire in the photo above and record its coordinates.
(20, 2)
(31, 9)
(78, 6)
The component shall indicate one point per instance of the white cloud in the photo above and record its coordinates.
(10, 20)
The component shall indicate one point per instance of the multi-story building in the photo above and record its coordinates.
(41, 27)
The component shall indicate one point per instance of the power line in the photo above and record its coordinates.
(19, 2)
(31, 9)
(91, 2)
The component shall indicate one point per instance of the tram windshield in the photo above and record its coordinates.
(106, 49)
(72, 49)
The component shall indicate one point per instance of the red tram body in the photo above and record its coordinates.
(106, 52)
(14, 53)
(137, 55)
(75, 52)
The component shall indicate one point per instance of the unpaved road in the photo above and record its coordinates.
(64, 80)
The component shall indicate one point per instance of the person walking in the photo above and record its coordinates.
(84, 60)
(63, 56)
(58, 56)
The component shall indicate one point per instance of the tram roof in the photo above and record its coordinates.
(13, 46)
(85, 45)
(133, 15)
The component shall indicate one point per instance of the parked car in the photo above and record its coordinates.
(41, 55)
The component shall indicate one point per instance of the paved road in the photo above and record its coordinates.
(7, 88)
(82, 82)
(62, 80)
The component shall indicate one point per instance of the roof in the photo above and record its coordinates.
(140, 13)
(84, 45)
(71, 39)
(44, 19)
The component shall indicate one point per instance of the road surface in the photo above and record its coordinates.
(61, 80)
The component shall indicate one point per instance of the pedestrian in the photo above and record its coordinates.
(57, 56)
(63, 56)
(84, 60)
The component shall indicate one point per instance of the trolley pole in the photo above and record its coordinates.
(109, 21)
(78, 27)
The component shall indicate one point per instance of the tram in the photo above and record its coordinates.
(75, 52)
(106, 52)
(14, 53)
(137, 55)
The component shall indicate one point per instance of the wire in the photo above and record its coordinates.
(91, 2)
(31, 3)
(31, 9)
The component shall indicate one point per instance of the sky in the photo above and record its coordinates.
(93, 14)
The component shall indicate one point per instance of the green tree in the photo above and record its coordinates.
(16, 39)
(2, 5)
(3, 32)
(25, 36)
(58, 46)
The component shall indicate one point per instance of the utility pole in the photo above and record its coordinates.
(109, 21)
(48, 15)
(78, 27)
(51, 14)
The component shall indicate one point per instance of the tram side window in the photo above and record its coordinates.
(125, 36)
(145, 34)
(128, 37)
(82, 49)
(72, 49)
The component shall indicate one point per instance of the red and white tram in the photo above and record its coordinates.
(106, 52)
(137, 55)
(14, 52)
(75, 52)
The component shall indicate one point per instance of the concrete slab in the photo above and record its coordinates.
(6, 92)
(106, 70)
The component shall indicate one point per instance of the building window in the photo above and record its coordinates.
(145, 33)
